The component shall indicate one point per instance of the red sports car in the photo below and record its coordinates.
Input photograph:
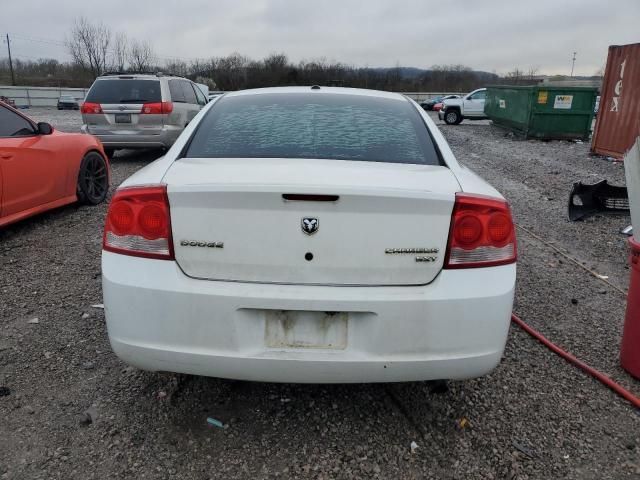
(41, 168)
(437, 107)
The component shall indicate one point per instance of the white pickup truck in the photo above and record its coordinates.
(470, 106)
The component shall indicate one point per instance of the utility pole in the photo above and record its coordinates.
(13, 78)
(573, 63)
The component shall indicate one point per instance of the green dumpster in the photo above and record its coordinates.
(545, 112)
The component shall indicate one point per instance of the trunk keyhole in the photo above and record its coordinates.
(308, 256)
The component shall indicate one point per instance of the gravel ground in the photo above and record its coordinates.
(64, 120)
(534, 417)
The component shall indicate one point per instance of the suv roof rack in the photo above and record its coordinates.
(157, 74)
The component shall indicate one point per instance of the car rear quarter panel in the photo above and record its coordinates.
(471, 182)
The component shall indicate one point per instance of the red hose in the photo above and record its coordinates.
(626, 394)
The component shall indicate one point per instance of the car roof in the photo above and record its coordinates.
(128, 76)
(319, 90)
(139, 76)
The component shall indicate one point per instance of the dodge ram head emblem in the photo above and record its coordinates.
(310, 225)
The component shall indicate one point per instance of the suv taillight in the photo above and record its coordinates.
(139, 224)
(482, 233)
(88, 107)
(157, 108)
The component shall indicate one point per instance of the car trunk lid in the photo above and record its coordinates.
(325, 222)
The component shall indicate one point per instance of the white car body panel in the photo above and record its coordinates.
(211, 202)
(473, 107)
(259, 311)
(160, 319)
(472, 182)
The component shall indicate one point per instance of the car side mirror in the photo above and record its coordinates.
(44, 128)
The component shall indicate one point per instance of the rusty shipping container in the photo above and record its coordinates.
(618, 120)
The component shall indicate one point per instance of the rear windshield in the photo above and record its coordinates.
(314, 125)
(124, 91)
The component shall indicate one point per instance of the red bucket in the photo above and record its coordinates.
(630, 349)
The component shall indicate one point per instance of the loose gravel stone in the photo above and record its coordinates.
(568, 425)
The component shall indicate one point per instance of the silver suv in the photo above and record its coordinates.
(140, 110)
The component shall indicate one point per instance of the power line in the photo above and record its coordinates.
(39, 40)
(18, 55)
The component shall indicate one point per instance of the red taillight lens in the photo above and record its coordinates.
(500, 227)
(121, 217)
(468, 230)
(139, 223)
(152, 221)
(157, 108)
(482, 233)
(88, 107)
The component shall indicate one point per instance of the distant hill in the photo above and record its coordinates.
(413, 72)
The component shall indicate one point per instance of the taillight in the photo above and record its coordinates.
(482, 233)
(88, 107)
(157, 108)
(139, 223)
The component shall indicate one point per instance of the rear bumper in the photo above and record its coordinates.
(133, 139)
(440, 114)
(160, 319)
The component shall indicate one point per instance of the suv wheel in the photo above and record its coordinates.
(452, 117)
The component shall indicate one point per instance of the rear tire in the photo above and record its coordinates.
(93, 179)
(452, 117)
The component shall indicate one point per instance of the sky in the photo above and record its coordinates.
(490, 35)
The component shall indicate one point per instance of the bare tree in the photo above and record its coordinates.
(176, 67)
(276, 61)
(273, 69)
(237, 71)
(89, 45)
(141, 56)
(232, 71)
(120, 51)
(451, 78)
(515, 76)
(197, 66)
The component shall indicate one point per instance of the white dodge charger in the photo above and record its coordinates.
(309, 234)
